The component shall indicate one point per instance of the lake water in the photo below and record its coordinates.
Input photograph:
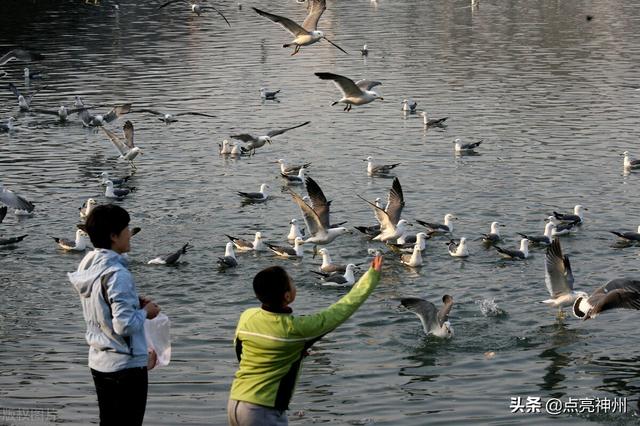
(552, 94)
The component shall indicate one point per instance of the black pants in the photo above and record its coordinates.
(122, 396)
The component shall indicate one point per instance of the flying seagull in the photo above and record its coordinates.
(353, 93)
(196, 8)
(316, 218)
(522, 253)
(542, 240)
(24, 103)
(617, 293)
(379, 170)
(494, 234)
(229, 260)
(559, 279)
(307, 33)
(90, 120)
(128, 151)
(391, 226)
(347, 279)
(168, 118)
(62, 112)
(255, 197)
(433, 321)
(170, 259)
(245, 245)
(20, 204)
(254, 142)
(21, 55)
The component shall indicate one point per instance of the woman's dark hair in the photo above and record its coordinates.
(103, 221)
(270, 285)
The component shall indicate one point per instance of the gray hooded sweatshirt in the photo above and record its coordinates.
(111, 308)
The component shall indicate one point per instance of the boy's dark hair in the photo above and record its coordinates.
(270, 285)
(103, 221)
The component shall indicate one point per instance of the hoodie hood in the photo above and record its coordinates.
(94, 265)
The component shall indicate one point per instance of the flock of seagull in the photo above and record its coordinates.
(391, 232)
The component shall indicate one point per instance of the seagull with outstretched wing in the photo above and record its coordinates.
(433, 321)
(196, 8)
(254, 142)
(128, 151)
(353, 92)
(168, 118)
(17, 202)
(23, 103)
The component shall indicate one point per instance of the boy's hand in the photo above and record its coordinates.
(377, 263)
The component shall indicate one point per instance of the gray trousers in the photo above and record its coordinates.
(241, 413)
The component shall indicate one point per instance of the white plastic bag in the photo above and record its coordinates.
(158, 334)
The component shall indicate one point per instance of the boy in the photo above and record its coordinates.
(270, 344)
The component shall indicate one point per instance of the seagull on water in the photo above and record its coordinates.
(523, 253)
(348, 279)
(87, 207)
(296, 251)
(196, 8)
(391, 226)
(628, 163)
(254, 142)
(304, 34)
(629, 235)
(433, 321)
(353, 92)
(21, 55)
(79, 244)
(128, 151)
(62, 112)
(576, 217)
(461, 148)
(269, 95)
(8, 127)
(561, 228)
(294, 179)
(294, 231)
(458, 249)
(229, 260)
(406, 242)
(90, 120)
(409, 105)
(494, 234)
(414, 259)
(24, 103)
(379, 170)
(115, 193)
(170, 118)
(618, 293)
(245, 245)
(328, 266)
(255, 197)
(291, 169)
(440, 228)
(364, 51)
(559, 279)
(116, 181)
(171, 258)
(12, 240)
(542, 240)
(21, 206)
(225, 148)
(316, 218)
(31, 75)
(433, 122)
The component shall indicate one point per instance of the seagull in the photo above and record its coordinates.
(353, 93)
(245, 245)
(21, 205)
(435, 122)
(62, 112)
(20, 54)
(294, 179)
(576, 217)
(128, 151)
(254, 142)
(380, 170)
(465, 147)
(170, 259)
(267, 94)
(391, 226)
(170, 118)
(348, 279)
(296, 251)
(256, 197)
(196, 8)
(561, 228)
(235, 150)
(225, 148)
(458, 249)
(289, 170)
(116, 181)
(523, 253)
(304, 34)
(115, 193)
(5, 128)
(559, 279)
(628, 163)
(86, 208)
(328, 266)
(79, 244)
(229, 260)
(31, 75)
(24, 103)
(433, 321)
(316, 218)
(406, 242)
(617, 293)
(90, 120)
(629, 236)
(494, 235)
(364, 51)
(414, 259)
(409, 105)
(12, 240)
(294, 231)
(440, 228)
(542, 240)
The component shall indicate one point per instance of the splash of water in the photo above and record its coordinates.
(489, 308)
